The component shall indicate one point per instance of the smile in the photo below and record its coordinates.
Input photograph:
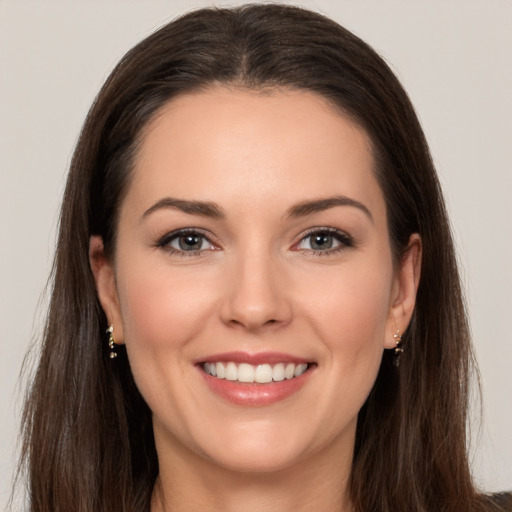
(260, 374)
(255, 379)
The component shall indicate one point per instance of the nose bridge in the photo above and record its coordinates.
(256, 296)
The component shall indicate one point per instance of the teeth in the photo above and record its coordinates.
(262, 373)
(245, 373)
(300, 369)
(289, 371)
(278, 372)
(231, 371)
(221, 370)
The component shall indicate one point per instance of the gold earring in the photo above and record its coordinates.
(111, 341)
(398, 347)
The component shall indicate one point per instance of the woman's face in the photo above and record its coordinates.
(253, 243)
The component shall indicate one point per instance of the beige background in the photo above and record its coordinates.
(454, 58)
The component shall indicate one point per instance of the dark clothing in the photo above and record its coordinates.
(503, 500)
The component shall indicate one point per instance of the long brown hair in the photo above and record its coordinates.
(88, 440)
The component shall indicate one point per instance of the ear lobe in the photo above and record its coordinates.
(106, 289)
(405, 289)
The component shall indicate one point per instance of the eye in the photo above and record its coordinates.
(188, 241)
(325, 241)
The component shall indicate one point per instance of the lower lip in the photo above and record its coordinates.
(252, 394)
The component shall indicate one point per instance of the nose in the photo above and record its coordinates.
(256, 296)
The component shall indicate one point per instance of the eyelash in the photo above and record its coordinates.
(166, 240)
(345, 241)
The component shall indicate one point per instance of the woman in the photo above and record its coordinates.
(251, 307)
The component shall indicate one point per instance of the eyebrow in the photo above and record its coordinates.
(213, 210)
(319, 205)
(202, 208)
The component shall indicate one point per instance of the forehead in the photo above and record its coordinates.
(227, 144)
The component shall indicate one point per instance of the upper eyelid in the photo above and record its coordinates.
(184, 231)
(317, 229)
(322, 229)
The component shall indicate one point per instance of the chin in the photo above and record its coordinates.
(269, 447)
(262, 460)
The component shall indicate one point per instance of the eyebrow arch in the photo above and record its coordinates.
(202, 208)
(319, 205)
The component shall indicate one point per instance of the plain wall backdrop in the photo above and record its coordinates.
(454, 59)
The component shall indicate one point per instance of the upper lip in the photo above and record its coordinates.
(253, 358)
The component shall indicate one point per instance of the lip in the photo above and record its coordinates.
(253, 358)
(253, 394)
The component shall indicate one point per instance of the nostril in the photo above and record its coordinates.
(254, 324)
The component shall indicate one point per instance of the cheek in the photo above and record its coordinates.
(350, 317)
(162, 312)
(159, 305)
(351, 308)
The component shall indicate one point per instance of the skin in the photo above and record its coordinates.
(256, 285)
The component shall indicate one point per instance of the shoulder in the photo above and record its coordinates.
(503, 500)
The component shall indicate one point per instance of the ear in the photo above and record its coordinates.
(104, 277)
(405, 287)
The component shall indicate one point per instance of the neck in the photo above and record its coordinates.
(192, 484)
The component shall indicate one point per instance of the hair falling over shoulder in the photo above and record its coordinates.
(87, 433)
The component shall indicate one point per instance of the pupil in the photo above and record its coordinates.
(190, 242)
(321, 241)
